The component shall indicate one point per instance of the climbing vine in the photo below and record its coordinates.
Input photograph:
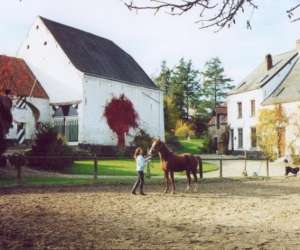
(121, 117)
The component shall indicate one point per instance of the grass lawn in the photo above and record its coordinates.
(192, 146)
(125, 167)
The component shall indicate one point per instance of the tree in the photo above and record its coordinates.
(121, 116)
(171, 114)
(163, 81)
(212, 13)
(215, 86)
(270, 123)
(185, 88)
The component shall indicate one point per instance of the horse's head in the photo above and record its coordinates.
(155, 147)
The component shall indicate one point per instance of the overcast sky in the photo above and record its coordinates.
(152, 38)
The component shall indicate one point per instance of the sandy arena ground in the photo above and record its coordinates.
(228, 214)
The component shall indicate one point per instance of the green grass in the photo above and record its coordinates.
(192, 146)
(125, 167)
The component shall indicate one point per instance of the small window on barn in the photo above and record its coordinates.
(37, 27)
(28, 46)
(45, 43)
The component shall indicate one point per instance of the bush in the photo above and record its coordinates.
(172, 141)
(207, 144)
(183, 130)
(49, 151)
(142, 139)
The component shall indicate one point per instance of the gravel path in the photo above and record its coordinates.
(223, 214)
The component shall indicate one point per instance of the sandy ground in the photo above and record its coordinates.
(223, 214)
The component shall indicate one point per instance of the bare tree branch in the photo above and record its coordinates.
(212, 13)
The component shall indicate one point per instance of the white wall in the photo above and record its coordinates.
(61, 80)
(26, 116)
(247, 121)
(259, 95)
(292, 130)
(98, 92)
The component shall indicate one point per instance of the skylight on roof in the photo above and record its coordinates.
(243, 83)
(264, 78)
(280, 91)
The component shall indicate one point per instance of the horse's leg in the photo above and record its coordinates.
(189, 180)
(166, 181)
(173, 182)
(195, 180)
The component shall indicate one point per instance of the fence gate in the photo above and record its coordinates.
(68, 128)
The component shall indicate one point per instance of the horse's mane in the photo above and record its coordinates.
(165, 151)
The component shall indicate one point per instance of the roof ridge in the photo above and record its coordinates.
(74, 28)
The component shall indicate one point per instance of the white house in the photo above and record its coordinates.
(81, 73)
(276, 80)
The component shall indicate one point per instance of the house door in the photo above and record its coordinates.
(215, 144)
(281, 142)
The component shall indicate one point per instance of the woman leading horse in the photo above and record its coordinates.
(171, 163)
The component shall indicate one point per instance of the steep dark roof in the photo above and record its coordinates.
(98, 56)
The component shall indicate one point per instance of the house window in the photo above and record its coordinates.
(253, 137)
(239, 110)
(252, 108)
(240, 138)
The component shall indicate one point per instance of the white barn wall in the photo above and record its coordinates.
(98, 92)
(61, 80)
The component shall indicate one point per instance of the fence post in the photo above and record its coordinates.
(148, 170)
(201, 170)
(95, 167)
(268, 173)
(221, 168)
(19, 173)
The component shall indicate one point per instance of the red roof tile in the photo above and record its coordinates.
(16, 76)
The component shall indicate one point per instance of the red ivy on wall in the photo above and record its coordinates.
(121, 116)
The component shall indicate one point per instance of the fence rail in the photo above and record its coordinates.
(97, 163)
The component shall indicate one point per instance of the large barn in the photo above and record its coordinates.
(81, 74)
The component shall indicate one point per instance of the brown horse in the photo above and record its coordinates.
(171, 163)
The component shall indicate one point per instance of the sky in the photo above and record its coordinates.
(150, 38)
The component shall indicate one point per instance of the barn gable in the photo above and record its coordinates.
(97, 56)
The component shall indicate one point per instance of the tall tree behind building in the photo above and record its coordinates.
(185, 88)
(215, 86)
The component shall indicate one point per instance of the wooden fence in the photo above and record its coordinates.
(97, 163)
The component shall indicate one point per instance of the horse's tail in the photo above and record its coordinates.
(200, 166)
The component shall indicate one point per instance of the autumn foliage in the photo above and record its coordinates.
(269, 127)
(121, 116)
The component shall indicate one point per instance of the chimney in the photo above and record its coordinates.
(269, 61)
(298, 45)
